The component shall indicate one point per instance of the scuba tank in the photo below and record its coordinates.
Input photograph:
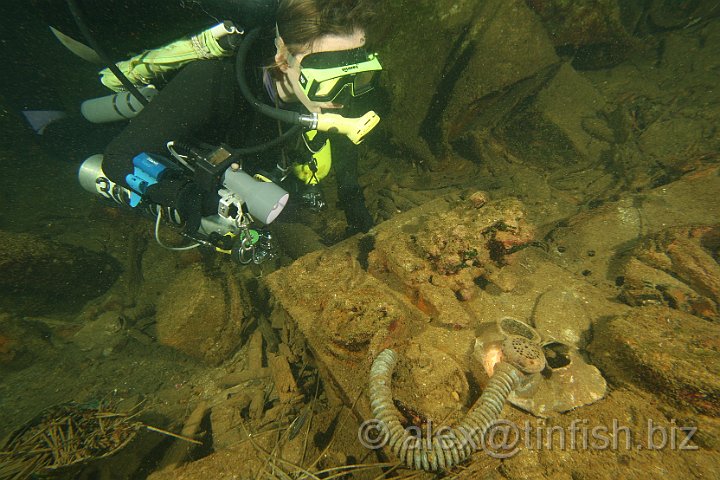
(118, 106)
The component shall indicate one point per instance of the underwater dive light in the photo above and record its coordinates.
(264, 200)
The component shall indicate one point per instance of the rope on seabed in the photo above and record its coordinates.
(454, 445)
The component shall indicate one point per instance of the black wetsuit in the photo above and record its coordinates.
(203, 102)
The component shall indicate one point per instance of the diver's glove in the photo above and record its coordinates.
(190, 201)
(312, 197)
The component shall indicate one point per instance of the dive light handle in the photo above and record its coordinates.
(353, 128)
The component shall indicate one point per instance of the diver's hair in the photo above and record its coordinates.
(302, 22)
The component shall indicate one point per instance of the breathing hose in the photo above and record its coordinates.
(286, 116)
(454, 445)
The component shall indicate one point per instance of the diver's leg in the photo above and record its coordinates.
(350, 194)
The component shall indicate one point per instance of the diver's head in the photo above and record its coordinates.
(320, 56)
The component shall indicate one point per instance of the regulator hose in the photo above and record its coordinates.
(286, 116)
(454, 445)
(282, 115)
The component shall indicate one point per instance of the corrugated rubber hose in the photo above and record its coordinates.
(454, 445)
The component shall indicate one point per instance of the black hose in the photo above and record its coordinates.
(90, 38)
(239, 152)
(283, 115)
(279, 140)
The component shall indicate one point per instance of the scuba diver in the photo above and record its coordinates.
(309, 68)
